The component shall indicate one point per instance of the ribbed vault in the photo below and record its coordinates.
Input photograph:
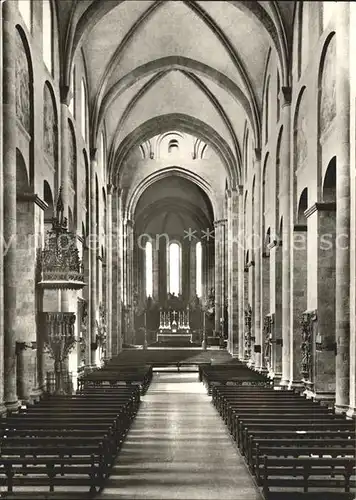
(193, 66)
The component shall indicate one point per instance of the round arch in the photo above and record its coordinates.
(135, 195)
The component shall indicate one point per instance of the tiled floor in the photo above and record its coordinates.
(178, 448)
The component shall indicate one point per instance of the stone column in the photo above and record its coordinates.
(93, 252)
(155, 271)
(233, 272)
(193, 270)
(186, 269)
(30, 222)
(342, 313)
(241, 273)
(65, 295)
(266, 298)
(321, 226)
(285, 209)
(299, 287)
(162, 273)
(229, 265)
(251, 301)
(2, 406)
(257, 252)
(129, 271)
(277, 327)
(217, 276)
(120, 285)
(116, 251)
(109, 271)
(219, 272)
(204, 274)
(9, 203)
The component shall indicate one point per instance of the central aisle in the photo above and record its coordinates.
(179, 448)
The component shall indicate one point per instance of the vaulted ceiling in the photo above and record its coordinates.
(192, 66)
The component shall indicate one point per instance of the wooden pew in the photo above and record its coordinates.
(287, 428)
(325, 474)
(297, 451)
(258, 447)
(66, 440)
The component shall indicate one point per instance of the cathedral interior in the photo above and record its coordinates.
(178, 191)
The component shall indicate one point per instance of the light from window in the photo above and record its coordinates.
(47, 34)
(84, 110)
(174, 268)
(25, 10)
(328, 11)
(149, 274)
(199, 262)
(72, 92)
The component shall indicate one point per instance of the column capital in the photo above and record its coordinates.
(130, 222)
(65, 94)
(320, 207)
(285, 95)
(219, 222)
(240, 189)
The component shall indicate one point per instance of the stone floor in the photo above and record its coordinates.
(178, 448)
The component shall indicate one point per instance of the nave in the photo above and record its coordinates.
(179, 448)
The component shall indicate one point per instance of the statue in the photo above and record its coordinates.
(209, 306)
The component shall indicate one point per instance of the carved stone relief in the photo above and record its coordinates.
(50, 128)
(23, 102)
(328, 88)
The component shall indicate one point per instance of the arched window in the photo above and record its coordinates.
(72, 92)
(199, 263)
(173, 146)
(84, 110)
(148, 269)
(25, 11)
(47, 34)
(174, 265)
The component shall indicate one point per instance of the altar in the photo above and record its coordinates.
(174, 326)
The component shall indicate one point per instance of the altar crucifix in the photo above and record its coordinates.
(174, 322)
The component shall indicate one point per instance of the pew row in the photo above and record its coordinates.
(296, 448)
(66, 442)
